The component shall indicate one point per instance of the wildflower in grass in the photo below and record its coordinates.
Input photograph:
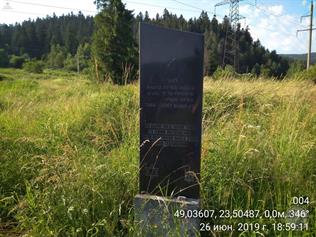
(70, 209)
(85, 211)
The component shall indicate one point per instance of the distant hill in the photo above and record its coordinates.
(299, 57)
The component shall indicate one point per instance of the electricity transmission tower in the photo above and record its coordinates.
(310, 29)
(231, 47)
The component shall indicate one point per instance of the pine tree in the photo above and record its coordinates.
(56, 57)
(146, 18)
(114, 49)
(4, 58)
(35, 38)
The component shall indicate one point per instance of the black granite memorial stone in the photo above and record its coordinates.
(171, 85)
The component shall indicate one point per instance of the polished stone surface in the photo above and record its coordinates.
(171, 89)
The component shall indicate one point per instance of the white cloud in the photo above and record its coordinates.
(274, 31)
(276, 10)
(248, 10)
(23, 10)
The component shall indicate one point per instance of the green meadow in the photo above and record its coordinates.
(69, 151)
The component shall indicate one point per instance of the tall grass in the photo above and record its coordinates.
(69, 152)
(259, 146)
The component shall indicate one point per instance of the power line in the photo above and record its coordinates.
(310, 29)
(134, 2)
(160, 6)
(231, 47)
(262, 10)
(279, 15)
(306, 13)
(271, 14)
(196, 9)
(50, 6)
(22, 12)
(188, 5)
(273, 31)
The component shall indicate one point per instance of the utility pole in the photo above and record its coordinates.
(310, 29)
(231, 47)
(310, 35)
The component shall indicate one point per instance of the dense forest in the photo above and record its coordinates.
(36, 37)
(60, 41)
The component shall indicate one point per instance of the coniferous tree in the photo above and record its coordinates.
(35, 39)
(114, 49)
(56, 57)
(4, 58)
(146, 18)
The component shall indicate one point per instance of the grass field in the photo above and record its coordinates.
(69, 153)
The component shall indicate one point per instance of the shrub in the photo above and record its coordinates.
(295, 67)
(4, 58)
(227, 73)
(34, 66)
(70, 63)
(17, 61)
(56, 57)
(256, 70)
(309, 74)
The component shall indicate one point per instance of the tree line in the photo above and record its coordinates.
(253, 57)
(107, 43)
(54, 40)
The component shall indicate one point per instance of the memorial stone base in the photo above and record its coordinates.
(155, 216)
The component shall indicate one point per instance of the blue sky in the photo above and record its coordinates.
(274, 22)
